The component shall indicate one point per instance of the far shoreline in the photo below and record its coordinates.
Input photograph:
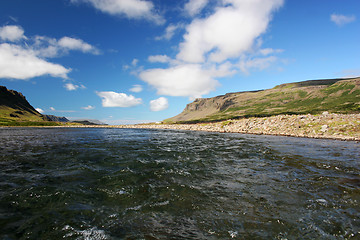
(345, 127)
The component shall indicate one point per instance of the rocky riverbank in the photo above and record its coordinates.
(325, 125)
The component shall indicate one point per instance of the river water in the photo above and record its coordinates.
(166, 184)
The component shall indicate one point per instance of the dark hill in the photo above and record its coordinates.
(15, 110)
(15, 100)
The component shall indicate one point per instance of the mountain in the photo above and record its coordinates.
(15, 110)
(55, 118)
(15, 107)
(314, 96)
(89, 122)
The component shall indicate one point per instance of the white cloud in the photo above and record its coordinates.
(133, 9)
(27, 59)
(268, 51)
(89, 107)
(50, 47)
(52, 109)
(159, 58)
(188, 80)
(218, 45)
(194, 7)
(11, 33)
(229, 32)
(39, 110)
(114, 99)
(69, 43)
(159, 104)
(169, 32)
(73, 87)
(256, 63)
(132, 66)
(17, 62)
(134, 62)
(136, 88)
(341, 20)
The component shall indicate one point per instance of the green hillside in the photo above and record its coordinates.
(316, 96)
(15, 110)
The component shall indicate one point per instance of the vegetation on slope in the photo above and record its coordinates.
(15, 110)
(334, 95)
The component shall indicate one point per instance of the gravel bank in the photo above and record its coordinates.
(325, 125)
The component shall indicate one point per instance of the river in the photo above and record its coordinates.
(167, 184)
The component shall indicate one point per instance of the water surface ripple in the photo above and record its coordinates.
(164, 184)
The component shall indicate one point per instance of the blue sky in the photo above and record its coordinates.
(131, 61)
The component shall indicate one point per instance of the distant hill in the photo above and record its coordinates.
(55, 118)
(315, 96)
(89, 122)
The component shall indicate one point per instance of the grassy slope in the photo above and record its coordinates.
(295, 98)
(23, 118)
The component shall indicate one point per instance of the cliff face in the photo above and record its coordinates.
(315, 96)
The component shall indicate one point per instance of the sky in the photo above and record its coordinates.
(135, 61)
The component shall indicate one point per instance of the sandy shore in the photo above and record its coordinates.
(326, 125)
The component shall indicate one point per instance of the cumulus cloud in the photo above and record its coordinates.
(52, 109)
(89, 107)
(50, 47)
(159, 104)
(114, 99)
(193, 7)
(17, 62)
(229, 32)
(73, 87)
(39, 110)
(136, 88)
(133, 9)
(77, 44)
(215, 46)
(188, 80)
(341, 20)
(11, 33)
(29, 58)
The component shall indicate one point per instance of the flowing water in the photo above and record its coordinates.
(163, 184)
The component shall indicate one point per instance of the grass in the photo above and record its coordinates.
(339, 97)
(21, 118)
(27, 124)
